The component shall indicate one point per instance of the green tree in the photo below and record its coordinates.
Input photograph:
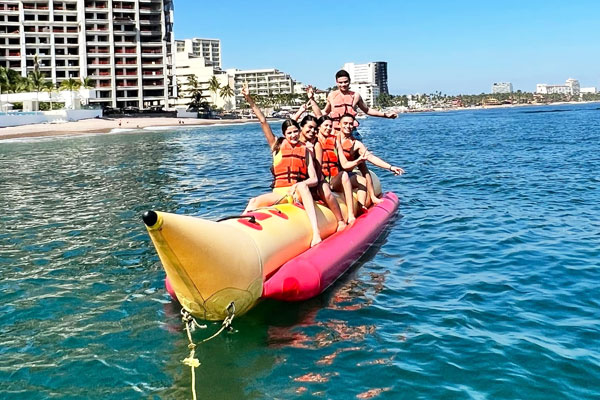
(213, 87)
(195, 91)
(226, 93)
(37, 81)
(50, 88)
(71, 85)
(384, 100)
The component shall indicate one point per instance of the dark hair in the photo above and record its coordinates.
(287, 123)
(308, 118)
(347, 115)
(322, 119)
(342, 73)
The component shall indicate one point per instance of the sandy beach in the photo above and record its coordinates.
(103, 125)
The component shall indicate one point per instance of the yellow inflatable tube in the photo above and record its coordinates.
(211, 264)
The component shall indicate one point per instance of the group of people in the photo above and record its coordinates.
(318, 156)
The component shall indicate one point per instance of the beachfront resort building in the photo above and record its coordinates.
(369, 73)
(123, 46)
(571, 87)
(261, 82)
(588, 90)
(192, 66)
(502, 87)
(209, 49)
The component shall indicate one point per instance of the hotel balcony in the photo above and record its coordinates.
(122, 84)
(9, 9)
(150, 10)
(127, 63)
(97, 62)
(126, 73)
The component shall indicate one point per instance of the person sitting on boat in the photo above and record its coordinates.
(326, 156)
(344, 101)
(308, 135)
(293, 168)
(350, 152)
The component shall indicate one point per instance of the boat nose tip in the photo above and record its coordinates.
(150, 218)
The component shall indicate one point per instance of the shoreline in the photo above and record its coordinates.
(108, 125)
(130, 124)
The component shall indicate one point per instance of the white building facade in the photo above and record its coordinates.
(571, 87)
(209, 49)
(189, 63)
(261, 82)
(369, 73)
(124, 46)
(368, 91)
(502, 87)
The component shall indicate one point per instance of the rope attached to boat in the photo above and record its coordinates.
(190, 325)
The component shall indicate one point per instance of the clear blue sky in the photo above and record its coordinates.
(453, 46)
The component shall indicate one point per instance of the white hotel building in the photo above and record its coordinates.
(502, 87)
(571, 87)
(200, 58)
(124, 46)
(369, 79)
(262, 82)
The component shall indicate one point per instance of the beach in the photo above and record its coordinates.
(104, 125)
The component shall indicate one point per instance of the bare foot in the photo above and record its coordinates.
(341, 226)
(376, 200)
(315, 241)
(351, 221)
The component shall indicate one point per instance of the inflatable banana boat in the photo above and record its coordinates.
(265, 253)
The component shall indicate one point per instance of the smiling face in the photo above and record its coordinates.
(347, 125)
(343, 83)
(292, 134)
(309, 130)
(326, 128)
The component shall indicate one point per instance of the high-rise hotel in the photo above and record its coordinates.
(124, 46)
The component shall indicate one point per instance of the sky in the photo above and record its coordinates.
(452, 46)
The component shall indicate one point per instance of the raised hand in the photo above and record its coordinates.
(245, 90)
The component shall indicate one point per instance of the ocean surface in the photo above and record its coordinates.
(486, 285)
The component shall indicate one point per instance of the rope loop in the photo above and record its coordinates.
(190, 324)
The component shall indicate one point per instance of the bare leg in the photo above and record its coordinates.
(362, 167)
(360, 183)
(327, 196)
(342, 182)
(264, 200)
(309, 206)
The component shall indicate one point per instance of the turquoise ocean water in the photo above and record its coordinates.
(486, 286)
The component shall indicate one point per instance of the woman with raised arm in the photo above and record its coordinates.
(352, 152)
(293, 168)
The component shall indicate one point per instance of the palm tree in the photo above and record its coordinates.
(226, 92)
(195, 91)
(37, 81)
(214, 86)
(88, 83)
(3, 83)
(50, 88)
(71, 85)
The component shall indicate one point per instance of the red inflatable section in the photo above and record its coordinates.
(313, 271)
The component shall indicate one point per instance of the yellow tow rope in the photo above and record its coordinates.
(191, 324)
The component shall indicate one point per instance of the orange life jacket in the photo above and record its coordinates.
(289, 165)
(347, 147)
(330, 166)
(341, 104)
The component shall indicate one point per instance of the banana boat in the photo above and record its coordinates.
(264, 253)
